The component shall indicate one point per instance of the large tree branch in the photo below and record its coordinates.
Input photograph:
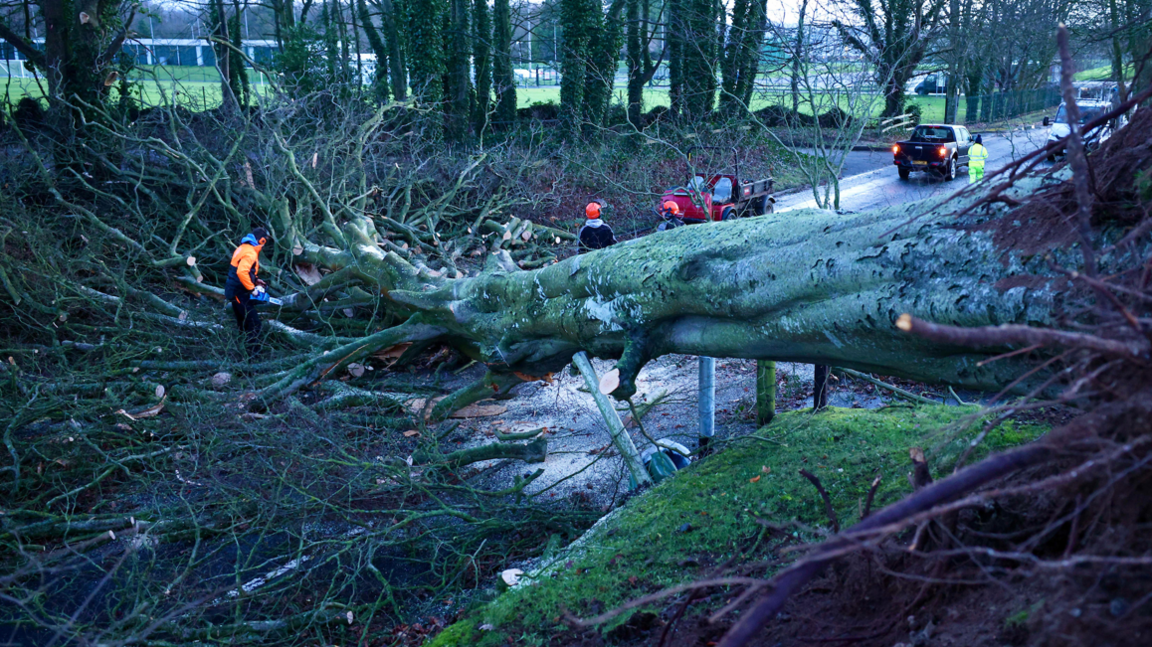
(24, 47)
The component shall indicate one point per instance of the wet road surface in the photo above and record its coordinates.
(881, 186)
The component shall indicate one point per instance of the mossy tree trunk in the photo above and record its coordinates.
(503, 80)
(698, 59)
(578, 19)
(426, 53)
(458, 79)
(482, 60)
(376, 44)
(741, 59)
(812, 287)
(393, 14)
(81, 41)
(603, 58)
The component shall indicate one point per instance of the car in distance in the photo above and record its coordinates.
(933, 148)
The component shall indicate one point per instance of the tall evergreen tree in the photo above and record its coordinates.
(482, 62)
(503, 80)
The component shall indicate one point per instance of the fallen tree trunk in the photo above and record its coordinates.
(809, 286)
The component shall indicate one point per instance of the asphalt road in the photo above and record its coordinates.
(871, 180)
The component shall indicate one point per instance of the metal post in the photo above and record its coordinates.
(620, 438)
(707, 399)
(820, 387)
(765, 391)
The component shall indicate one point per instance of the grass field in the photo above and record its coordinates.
(199, 88)
(1102, 73)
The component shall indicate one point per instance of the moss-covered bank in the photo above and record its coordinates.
(708, 512)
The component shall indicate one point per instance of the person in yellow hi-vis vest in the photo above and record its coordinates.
(977, 155)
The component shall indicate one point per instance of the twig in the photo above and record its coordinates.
(871, 496)
(907, 395)
(824, 495)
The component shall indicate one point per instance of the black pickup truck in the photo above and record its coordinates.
(940, 149)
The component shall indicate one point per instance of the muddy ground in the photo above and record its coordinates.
(581, 459)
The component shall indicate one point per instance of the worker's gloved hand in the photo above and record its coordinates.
(261, 283)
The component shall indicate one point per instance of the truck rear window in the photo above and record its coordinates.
(933, 134)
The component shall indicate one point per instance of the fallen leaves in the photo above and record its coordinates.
(546, 378)
(754, 479)
(391, 354)
(411, 433)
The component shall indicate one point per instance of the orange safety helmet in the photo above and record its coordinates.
(592, 210)
(671, 207)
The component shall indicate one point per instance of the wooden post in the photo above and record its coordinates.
(620, 438)
(707, 400)
(765, 391)
(820, 387)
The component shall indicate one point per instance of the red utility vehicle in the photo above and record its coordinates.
(721, 196)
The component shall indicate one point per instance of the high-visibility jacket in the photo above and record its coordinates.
(245, 266)
(977, 155)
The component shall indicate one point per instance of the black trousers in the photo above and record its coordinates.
(248, 320)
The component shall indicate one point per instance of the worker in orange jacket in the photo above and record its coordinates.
(242, 282)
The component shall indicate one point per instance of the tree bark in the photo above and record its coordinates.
(458, 80)
(380, 82)
(503, 81)
(482, 60)
(765, 392)
(812, 287)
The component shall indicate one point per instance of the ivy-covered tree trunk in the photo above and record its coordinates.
(675, 45)
(503, 80)
(376, 44)
(641, 67)
(426, 55)
(458, 77)
(393, 15)
(237, 67)
(699, 58)
(578, 19)
(482, 62)
(753, 38)
(604, 58)
(78, 60)
(741, 59)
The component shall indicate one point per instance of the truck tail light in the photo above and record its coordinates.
(896, 149)
(943, 152)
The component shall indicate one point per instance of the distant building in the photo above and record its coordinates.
(169, 51)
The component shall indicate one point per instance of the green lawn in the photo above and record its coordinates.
(193, 87)
(1102, 73)
(199, 87)
(711, 512)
